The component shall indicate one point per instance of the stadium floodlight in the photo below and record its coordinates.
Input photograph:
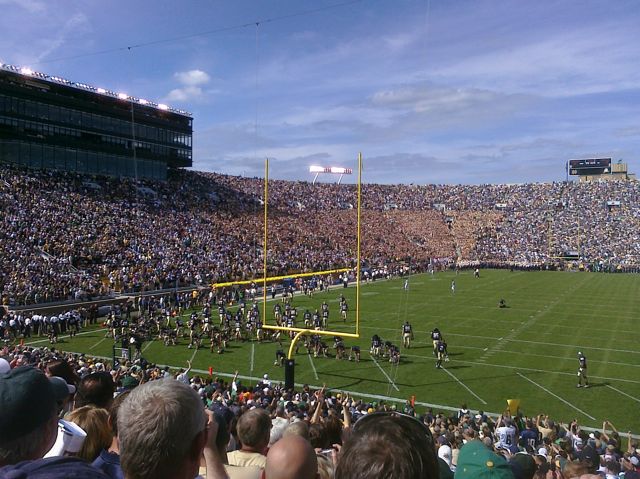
(142, 101)
(334, 170)
(84, 86)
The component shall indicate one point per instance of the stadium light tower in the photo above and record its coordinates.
(334, 170)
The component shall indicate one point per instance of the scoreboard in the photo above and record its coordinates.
(591, 166)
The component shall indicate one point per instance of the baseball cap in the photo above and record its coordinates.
(61, 390)
(634, 460)
(476, 461)
(28, 401)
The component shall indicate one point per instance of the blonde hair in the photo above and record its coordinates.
(95, 422)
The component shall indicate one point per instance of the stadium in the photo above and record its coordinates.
(474, 308)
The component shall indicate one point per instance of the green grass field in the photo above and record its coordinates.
(527, 351)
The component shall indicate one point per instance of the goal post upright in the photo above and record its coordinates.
(264, 245)
(358, 245)
(290, 363)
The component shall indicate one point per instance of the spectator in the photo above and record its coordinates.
(28, 416)
(291, 457)
(163, 431)
(476, 461)
(388, 446)
(95, 422)
(28, 427)
(95, 389)
(254, 429)
(109, 459)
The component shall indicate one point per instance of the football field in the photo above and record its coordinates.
(526, 351)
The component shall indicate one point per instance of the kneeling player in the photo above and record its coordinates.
(340, 349)
(355, 353)
(394, 354)
(376, 345)
(280, 357)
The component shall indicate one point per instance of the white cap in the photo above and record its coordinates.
(542, 451)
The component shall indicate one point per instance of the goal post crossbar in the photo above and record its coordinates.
(278, 278)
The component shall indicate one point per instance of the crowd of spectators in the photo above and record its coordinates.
(65, 237)
(128, 414)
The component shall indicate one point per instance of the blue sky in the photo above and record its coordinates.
(440, 91)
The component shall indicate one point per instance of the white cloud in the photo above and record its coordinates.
(192, 82)
(31, 6)
(184, 94)
(192, 77)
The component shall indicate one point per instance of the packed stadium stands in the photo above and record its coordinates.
(64, 236)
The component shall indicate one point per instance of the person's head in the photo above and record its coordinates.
(95, 389)
(161, 430)
(254, 429)
(298, 428)
(388, 445)
(62, 369)
(114, 410)
(95, 422)
(476, 461)
(28, 415)
(292, 457)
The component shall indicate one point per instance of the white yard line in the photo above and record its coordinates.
(623, 393)
(313, 366)
(463, 385)
(253, 355)
(193, 356)
(62, 337)
(147, 346)
(556, 396)
(385, 374)
(99, 342)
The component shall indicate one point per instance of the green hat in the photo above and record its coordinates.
(27, 401)
(129, 382)
(477, 462)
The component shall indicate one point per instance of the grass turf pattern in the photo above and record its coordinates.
(527, 351)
